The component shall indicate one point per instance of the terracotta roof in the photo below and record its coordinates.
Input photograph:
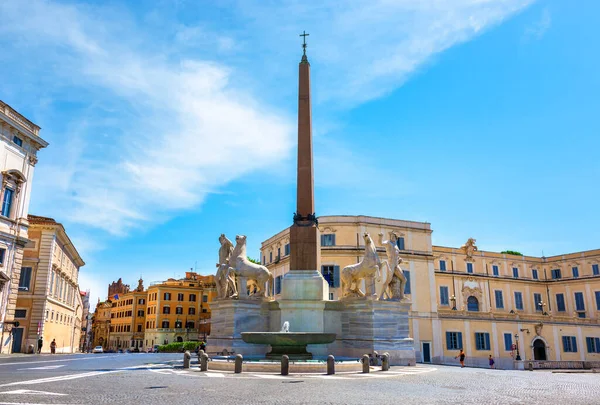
(36, 219)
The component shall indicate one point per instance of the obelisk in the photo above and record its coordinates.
(304, 233)
(304, 281)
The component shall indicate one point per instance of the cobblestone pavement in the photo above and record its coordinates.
(158, 379)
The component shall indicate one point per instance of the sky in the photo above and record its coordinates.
(173, 121)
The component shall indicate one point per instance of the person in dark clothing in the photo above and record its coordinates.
(491, 362)
(461, 356)
(53, 346)
(40, 344)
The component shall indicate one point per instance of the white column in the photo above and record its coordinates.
(556, 343)
(467, 338)
(495, 340)
(416, 338)
(432, 287)
(581, 344)
(438, 344)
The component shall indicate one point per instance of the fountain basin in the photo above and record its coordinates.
(293, 344)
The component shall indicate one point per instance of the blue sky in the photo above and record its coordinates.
(173, 121)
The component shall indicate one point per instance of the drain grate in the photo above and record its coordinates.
(156, 387)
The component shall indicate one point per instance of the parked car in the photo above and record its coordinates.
(98, 349)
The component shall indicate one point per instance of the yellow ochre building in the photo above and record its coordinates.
(174, 310)
(541, 309)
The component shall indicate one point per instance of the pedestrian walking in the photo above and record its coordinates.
(53, 346)
(461, 356)
(40, 344)
(492, 362)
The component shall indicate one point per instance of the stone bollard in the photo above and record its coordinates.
(204, 362)
(365, 363)
(530, 366)
(285, 365)
(330, 364)
(238, 363)
(186, 359)
(385, 362)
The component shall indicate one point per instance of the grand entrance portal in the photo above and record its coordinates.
(539, 350)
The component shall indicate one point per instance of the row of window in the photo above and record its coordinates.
(123, 303)
(179, 310)
(60, 318)
(537, 299)
(555, 273)
(327, 239)
(167, 324)
(60, 288)
(482, 342)
(180, 297)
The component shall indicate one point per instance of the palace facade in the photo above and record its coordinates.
(19, 143)
(487, 303)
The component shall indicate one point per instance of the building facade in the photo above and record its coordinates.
(86, 316)
(49, 303)
(168, 311)
(179, 310)
(101, 324)
(20, 142)
(487, 303)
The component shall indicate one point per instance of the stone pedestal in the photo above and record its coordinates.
(303, 300)
(377, 326)
(229, 318)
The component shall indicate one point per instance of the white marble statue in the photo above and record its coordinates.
(226, 287)
(241, 267)
(394, 281)
(368, 268)
(286, 327)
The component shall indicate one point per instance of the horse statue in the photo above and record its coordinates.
(226, 287)
(240, 266)
(395, 281)
(366, 269)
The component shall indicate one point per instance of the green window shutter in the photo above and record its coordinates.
(487, 341)
(448, 345)
(336, 276)
(460, 345)
(574, 344)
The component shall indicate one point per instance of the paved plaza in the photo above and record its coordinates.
(159, 379)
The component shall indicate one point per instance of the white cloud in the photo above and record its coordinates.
(186, 131)
(367, 49)
(539, 27)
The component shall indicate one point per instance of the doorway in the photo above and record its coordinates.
(179, 339)
(17, 338)
(539, 350)
(426, 352)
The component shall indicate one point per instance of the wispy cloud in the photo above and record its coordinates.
(182, 131)
(165, 126)
(369, 48)
(538, 28)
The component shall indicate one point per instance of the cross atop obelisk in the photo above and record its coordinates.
(304, 35)
(304, 234)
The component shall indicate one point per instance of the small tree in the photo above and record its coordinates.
(512, 252)
(253, 260)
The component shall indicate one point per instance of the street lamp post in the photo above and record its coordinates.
(453, 299)
(542, 304)
(518, 358)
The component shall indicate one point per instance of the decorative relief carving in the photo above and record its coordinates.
(538, 328)
(471, 288)
(469, 248)
(327, 229)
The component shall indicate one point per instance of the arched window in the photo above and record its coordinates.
(472, 304)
